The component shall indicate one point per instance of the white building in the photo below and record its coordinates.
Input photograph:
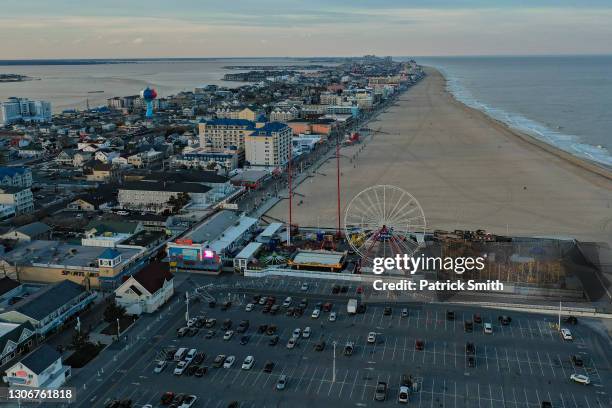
(268, 145)
(42, 368)
(19, 197)
(156, 196)
(16, 109)
(147, 290)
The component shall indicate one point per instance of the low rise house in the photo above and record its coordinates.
(15, 339)
(15, 176)
(50, 307)
(147, 290)
(28, 232)
(42, 368)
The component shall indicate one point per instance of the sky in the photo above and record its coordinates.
(31, 29)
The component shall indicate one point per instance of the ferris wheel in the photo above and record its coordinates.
(382, 221)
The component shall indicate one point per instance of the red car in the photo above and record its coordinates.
(167, 397)
(359, 290)
(327, 307)
(419, 345)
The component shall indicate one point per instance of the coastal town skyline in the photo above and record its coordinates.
(287, 29)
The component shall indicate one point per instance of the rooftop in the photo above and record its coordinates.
(41, 358)
(153, 276)
(179, 187)
(42, 252)
(47, 300)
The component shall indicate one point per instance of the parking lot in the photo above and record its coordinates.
(518, 365)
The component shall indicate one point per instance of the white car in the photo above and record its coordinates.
(282, 382)
(306, 332)
(304, 287)
(248, 362)
(229, 362)
(191, 321)
(159, 367)
(566, 334)
(332, 317)
(262, 300)
(287, 301)
(291, 343)
(249, 307)
(297, 332)
(402, 396)
(488, 328)
(371, 337)
(228, 335)
(315, 314)
(180, 367)
(189, 401)
(580, 378)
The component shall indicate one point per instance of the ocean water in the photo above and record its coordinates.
(565, 101)
(72, 86)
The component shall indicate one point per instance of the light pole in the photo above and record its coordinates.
(118, 329)
(334, 363)
(187, 303)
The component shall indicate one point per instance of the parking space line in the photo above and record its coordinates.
(404, 350)
(561, 364)
(354, 383)
(343, 382)
(486, 358)
(321, 381)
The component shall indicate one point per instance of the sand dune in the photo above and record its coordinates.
(466, 170)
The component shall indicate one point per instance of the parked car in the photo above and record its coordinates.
(287, 301)
(380, 394)
(577, 361)
(306, 332)
(248, 362)
(271, 330)
(488, 328)
(570, 319)
(227, 324)
(210, 334)
(180, 367)
(228, 335)
(580, 378)
(315, 314)
(566, 334)
(387, 311)
(199, 358)
(249, 307)
(477, 319)
(450, 315)
(405, 312)
(348, 348)
(244, 340)
(219, 360)
(371, 337)
(201, 371)
(468, 326)
(304, 287)
(167, 397)
(332, 317)
(320, 346)
(229, 361)
(504, 320)
(419, 345)
(402, 396)
(268, 367)
(291, 343)
(282, 382)
(296, 332)
(159, 367)
(273, 341)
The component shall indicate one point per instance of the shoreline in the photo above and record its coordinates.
(584, 163)
(468, 171)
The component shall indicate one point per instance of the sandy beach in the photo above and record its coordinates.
(467, 171)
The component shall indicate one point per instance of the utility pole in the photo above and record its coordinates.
(559, 315)
(118, 329)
